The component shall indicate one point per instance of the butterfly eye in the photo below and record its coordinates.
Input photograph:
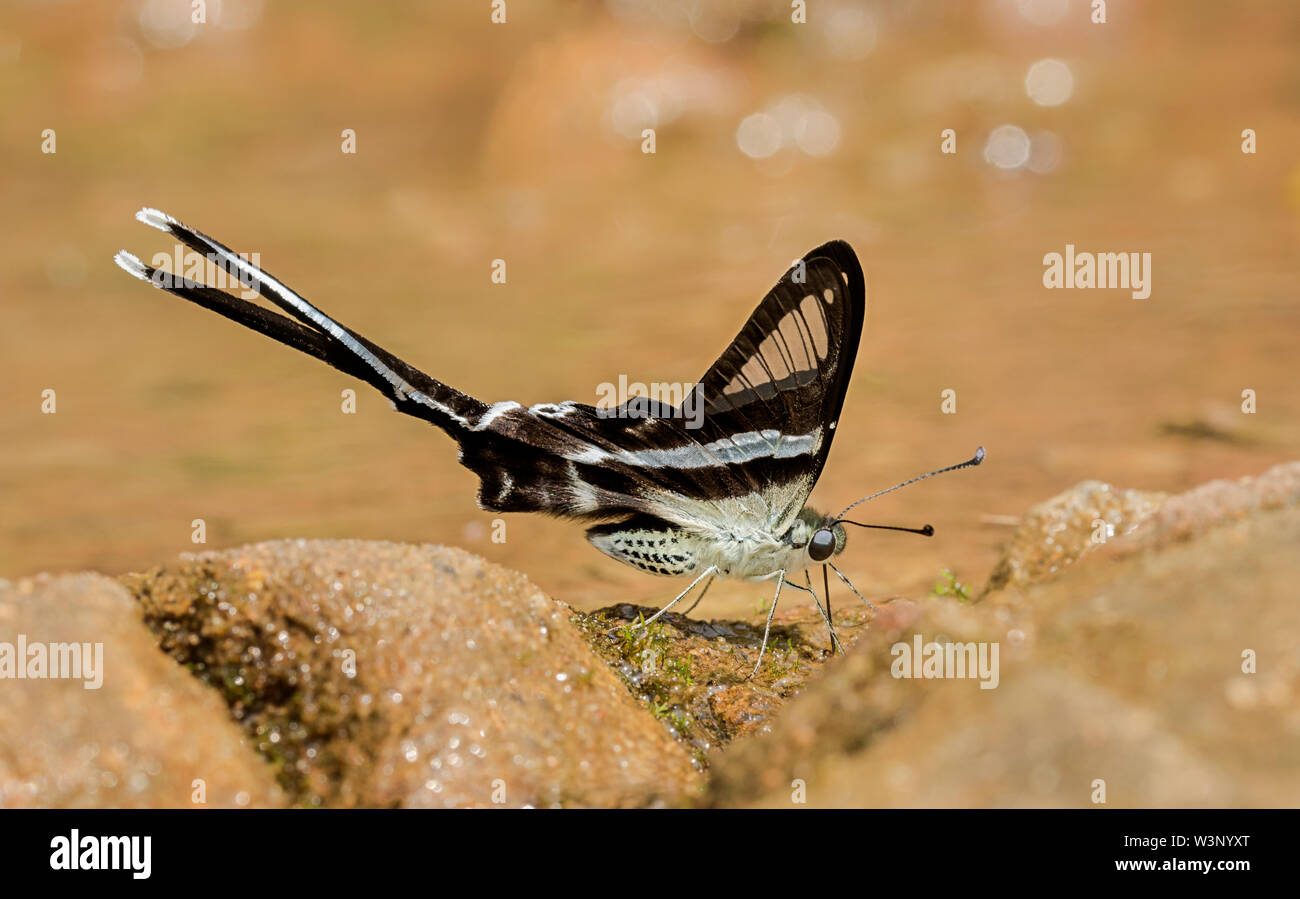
(822, 545)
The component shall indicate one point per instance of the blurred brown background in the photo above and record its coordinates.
(522, 141)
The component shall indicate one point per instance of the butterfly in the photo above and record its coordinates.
(717, 495)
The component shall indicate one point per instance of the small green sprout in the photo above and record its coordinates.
(948, 585)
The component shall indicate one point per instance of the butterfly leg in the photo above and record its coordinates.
(707, 585)
(841, 576)
(826, 613)
(712, 569)
(834, 639)
(780, 582)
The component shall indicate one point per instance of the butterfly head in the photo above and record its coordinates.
(820, 536)
(827, 542)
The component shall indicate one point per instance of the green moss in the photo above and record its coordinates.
(697, 683)
(644, 658)
(681, 669)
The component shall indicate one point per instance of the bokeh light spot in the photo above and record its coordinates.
(759, 136)
(1049, 82)
(1007, 147)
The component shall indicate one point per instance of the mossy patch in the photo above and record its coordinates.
(693, 675)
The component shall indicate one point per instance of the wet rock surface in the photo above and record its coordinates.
(378, 674)
(149, 736)
(1213, 503)
(1057, 533)
(1162, 672)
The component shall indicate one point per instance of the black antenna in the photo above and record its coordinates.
(927, 531)
(969, 463)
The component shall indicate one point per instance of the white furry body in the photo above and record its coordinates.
(751, 554)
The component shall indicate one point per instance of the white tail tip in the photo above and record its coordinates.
(131, 265)
(156, 218)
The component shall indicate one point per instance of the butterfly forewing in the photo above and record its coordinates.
(771, 403)
(776, 392)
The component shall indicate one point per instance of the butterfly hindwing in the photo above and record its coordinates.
(649, 543)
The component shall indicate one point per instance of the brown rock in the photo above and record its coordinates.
(1214, 503)
(380, 674)
(140, 739)
(1055, 534)
(1127, 671)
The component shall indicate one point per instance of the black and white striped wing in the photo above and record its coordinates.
(775, 395)
(771, 404)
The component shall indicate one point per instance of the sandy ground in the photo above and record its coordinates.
(478, 142)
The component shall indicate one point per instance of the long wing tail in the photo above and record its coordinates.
(315, 333)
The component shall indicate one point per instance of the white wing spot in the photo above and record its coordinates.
(828, 295)
(744, 447)
(494, 411)
(552, 410)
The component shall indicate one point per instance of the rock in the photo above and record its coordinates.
(140, 739)
(1127, 673)
(380, 674)
(1059, 532)
(1213, 503)
(1055, 534)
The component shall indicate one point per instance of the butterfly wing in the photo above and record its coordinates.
(770, 405)
(776, 393)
